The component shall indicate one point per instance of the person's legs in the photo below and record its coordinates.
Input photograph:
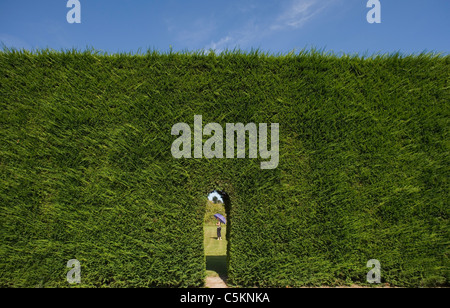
(219, 237)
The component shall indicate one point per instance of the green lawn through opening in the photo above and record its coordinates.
(215, 251)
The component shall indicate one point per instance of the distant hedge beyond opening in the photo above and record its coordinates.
(86, 170)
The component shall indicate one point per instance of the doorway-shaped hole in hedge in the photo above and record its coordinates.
(216, 241)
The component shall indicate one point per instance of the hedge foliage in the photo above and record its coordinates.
(212, 208)
(86, 170)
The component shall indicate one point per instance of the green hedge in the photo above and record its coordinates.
(86, 170)
(212, 208)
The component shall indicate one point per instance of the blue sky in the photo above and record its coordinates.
(274, 26)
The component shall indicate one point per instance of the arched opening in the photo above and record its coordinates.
(216, 234)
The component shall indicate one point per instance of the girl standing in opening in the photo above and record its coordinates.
(219, 229)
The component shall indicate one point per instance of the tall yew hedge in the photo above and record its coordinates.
(86, 170)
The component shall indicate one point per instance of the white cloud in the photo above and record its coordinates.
(190, 33)
(293, 16)
(221, 44)
(239, 38)
(298, 13)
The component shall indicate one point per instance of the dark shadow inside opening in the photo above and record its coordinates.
(217, 264)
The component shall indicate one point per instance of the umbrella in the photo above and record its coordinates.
(221, 218)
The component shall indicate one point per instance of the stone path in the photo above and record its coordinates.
(215, 282)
